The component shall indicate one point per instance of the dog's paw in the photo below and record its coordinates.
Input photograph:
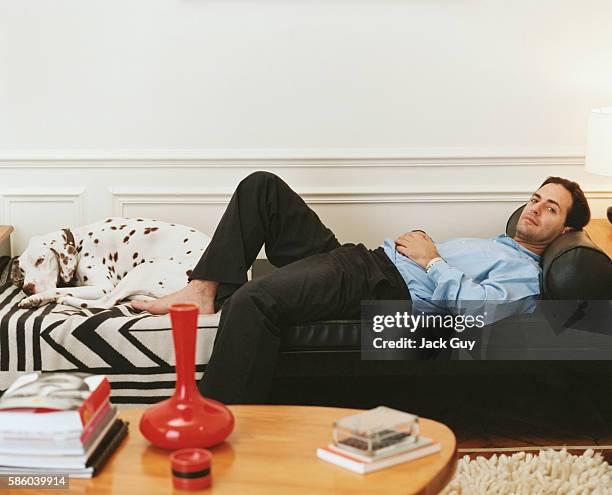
(36, 300)
(30, 302)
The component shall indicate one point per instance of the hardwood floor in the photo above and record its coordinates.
(548, 413)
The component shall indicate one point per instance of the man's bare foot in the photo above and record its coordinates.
(200, 292)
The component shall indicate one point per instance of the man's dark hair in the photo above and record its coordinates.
(580, 213)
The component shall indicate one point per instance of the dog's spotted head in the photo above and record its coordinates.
(44, 264)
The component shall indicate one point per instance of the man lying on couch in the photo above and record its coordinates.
(321, 279)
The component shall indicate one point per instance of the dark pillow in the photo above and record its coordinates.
(573, 267)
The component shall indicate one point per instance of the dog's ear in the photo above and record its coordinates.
(67, 261)
(16, 276)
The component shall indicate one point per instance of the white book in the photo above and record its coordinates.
(353, 463)
(353, 453)
(73, 473)
(57, 460)
(63, 446)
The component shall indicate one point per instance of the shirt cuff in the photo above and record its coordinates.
(433, 261)
(437, 269)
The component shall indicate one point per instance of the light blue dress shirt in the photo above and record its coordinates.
(497, 269)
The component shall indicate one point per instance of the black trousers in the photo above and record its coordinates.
(317, 279)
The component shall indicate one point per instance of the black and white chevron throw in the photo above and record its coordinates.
(133, 349)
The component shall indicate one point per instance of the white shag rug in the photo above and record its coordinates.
(549, 472)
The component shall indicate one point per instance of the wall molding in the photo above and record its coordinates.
(17, 192)
(164, 196)
(292, 158)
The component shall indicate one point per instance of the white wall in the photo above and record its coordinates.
(387, 114)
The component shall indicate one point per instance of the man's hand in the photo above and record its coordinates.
(417, 246)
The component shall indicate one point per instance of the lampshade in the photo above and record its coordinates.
(599, 142)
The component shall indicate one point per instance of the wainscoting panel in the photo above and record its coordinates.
(40, 211)
(201, 210)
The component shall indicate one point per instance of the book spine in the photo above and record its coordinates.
(95, 400)
(99, 458)
(95, 421)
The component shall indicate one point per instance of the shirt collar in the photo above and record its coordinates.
(508, 241)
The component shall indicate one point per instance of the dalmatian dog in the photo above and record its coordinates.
(103, 263)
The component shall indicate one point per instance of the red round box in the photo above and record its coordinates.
(191, 469)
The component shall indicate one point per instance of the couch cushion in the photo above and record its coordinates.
(329, 335)
(573, 267)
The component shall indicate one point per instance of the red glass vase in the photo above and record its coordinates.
(186, 420)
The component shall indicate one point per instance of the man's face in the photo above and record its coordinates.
(543, 218)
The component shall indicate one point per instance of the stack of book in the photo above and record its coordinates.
(376, 439)
(58, 422)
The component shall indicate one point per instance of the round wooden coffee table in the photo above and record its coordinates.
(272, 450)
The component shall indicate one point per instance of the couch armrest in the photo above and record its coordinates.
(575, 268)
